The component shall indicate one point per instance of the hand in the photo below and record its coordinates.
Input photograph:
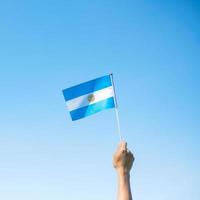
(123, 158)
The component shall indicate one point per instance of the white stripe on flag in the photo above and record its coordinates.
(84, 99)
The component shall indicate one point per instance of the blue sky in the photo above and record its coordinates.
(152, 47)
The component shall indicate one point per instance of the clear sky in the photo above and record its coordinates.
(153, 49)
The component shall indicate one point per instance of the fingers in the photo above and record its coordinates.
(122, 146)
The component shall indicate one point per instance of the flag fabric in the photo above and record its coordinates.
(90, 97)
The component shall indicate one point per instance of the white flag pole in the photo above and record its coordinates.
(116, 109)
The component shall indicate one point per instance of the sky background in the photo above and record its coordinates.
(152, 48)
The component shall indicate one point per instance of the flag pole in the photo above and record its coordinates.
(116, 109)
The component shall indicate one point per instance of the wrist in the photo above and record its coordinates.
(123, 172)
(123, 177)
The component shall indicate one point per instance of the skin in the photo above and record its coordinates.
(122, 161)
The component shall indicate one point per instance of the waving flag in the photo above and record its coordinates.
(90, 97)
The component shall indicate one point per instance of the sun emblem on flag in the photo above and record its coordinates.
(91, 97)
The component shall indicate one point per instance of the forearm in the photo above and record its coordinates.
(124, 189)
(123, 161)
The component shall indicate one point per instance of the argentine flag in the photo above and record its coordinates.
(90, 97)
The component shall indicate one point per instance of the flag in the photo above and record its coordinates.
(90, 97)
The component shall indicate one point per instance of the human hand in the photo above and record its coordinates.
(123, 158)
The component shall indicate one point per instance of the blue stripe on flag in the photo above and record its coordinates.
(92, 109)
(87, 87)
